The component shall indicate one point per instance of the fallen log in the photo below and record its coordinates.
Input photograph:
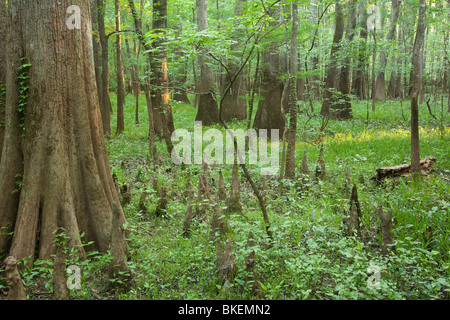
(426, 166)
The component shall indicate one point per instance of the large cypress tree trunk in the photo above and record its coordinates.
(2, 71)
(234, 105)
(269, 114)
(415, 80)
(60, 158)
(207, 109)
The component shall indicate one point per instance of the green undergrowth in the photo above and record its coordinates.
(310, 256)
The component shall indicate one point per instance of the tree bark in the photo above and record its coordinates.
(61, 158)
(234, 105)
(360, 83)
(269, 114)
(2, 72)
(292, 132)
(105, 102)
(343, 110)
(134, 69)
(179, 80)
(159, 80)
(207, 108)
(380, 89)
(119, 72)
(419, 43)
(330, 82)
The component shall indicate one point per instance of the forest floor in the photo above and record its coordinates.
(310, 257)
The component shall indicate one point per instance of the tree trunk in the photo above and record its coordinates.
(105, 103)
(207, 108)
(159, 80)
(234, 105)
(61, 158)
(330, 83)
(158, 99)
(97, 48)
(394, 90)
(380, 89)
(269, 114)
(134, 68)
(292, 132)
(2, 72)
(179, 80)
(313, 81)
(119, 73)
(343, 110)
(415, 80)
(359, 84)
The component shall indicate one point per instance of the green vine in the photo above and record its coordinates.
(23, 91)
(18, 183)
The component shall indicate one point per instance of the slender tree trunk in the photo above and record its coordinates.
(105, 103)
(180, 78)
(120, 73)
(380, 90)
(343, 110)
(134, 68)
(207, 108)
(292, 132)
(2, 72)
(158, 83)
(151, 121)
(415, 80)
(374, 57)
(160, 80)
(313, 81)
(359, 84)
(60, 159)
(330, 83)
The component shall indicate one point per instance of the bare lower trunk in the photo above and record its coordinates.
(207, 107)
(2, 72)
